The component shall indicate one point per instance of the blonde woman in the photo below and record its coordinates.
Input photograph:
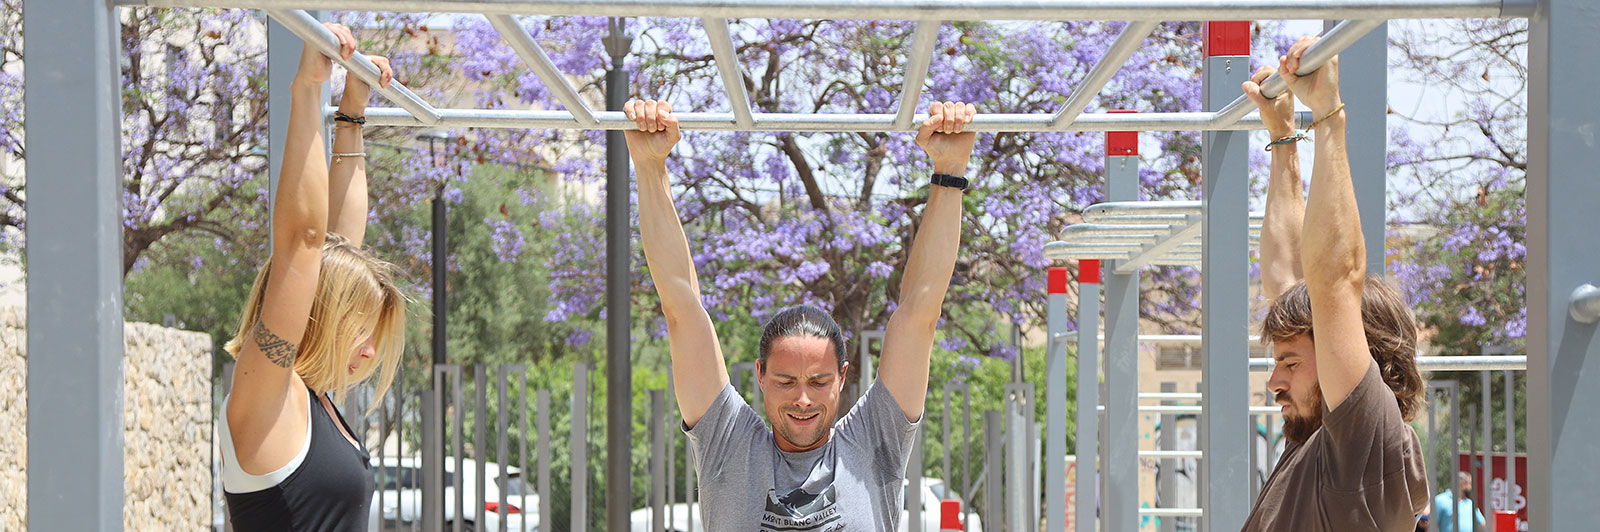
(324, 315)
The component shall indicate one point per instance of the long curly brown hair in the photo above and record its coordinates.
(1391, 335)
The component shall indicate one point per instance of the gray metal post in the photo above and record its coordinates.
(1055, 402)
(457, 449)
(579, 473)
(74, 266)
(993, 446)
(671, 451)
(913, 492)
(1088, 396)
(966, 487)
(658, 462)
(1120, 469)
(1016, 474)
(480, 439)
(502, 440)
(1563, 116)
(1225, 287)
(1511, 442)
(546, 510)
(1455, 444)
(1166, 492)
(1364, 84)
(1487, 475)
(1472, 462)
(1429, 460)
(619, 315)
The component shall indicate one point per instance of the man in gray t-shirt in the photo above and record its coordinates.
(808, 472)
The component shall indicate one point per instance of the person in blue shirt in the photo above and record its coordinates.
(1462, 517)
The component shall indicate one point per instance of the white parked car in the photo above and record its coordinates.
(682, 515)
(401, 495)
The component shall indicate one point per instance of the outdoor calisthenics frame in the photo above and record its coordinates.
(74, 228)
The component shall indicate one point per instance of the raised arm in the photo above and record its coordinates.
(1286, 204)
(263, 376)
(1332, 250)
(698, 370)
(347, 174)
(908, 339)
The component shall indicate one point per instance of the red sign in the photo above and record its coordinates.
(1501, 496)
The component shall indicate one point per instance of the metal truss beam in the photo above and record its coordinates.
(1333, 41)
(918, 58)
(1152, 10)
(728, 65)
(531, 53)
(1172, 242)
(311, 31)
(1127, 42)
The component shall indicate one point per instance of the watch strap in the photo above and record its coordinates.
(947, 180)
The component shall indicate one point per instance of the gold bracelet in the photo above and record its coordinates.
(337, 157)
(1326, 117)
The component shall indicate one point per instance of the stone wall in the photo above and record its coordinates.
(166, 426)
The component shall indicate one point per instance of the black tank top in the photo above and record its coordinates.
(329, 492)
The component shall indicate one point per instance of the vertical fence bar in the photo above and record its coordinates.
(1455, 447)
(1120, 469)
(502, 442)
(1055, 402)
(671, 452)
(1087, 495)
(1431, 462)
(480, 440)
(1224, 285)
(1017, 479)
(546, 505)
(1166, 491)
(459, 448)
(1486, 392)
(993, 469)
(580, 448)
(658, 463)
(1511, 440)
(522, 454)
(913, 494)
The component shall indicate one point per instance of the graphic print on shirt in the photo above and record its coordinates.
(802, 512)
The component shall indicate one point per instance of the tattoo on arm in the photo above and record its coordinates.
(281, 352)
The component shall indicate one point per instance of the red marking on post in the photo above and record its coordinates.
(950, 515)
(1122, 142)
(1226, 37)
(1505, 520)
(1089, 271)
(1057, 280)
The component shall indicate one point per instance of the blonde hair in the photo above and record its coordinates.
(356, 299)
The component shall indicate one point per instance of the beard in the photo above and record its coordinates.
(1299, 427)
(800, 437)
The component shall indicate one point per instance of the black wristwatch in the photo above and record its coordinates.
(947, 180)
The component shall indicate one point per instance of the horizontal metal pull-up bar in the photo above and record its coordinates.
(311, 31)
(802, 122)
(1152, 10)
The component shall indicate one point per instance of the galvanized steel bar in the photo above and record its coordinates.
(658, 456)
(1440, 363)
(1333, 41)
(993, 488)
(809, 122)
(533, 55)
(312, 32)
(480, 439)
(1173, 512)
(74, 376)
(1148, 254)
(918, 58)
(1166, 493)
(546, 508)
(727, 59)
(1153, 10)
(579, 441)
(1128, 41)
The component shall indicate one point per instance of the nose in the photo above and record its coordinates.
(367, 351)
(804, 399)
(1278, 383)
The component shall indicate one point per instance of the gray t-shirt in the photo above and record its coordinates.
(854, 482)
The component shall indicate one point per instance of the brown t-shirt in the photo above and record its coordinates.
(1363, 470)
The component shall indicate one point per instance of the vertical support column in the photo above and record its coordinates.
(913, 492)
(480, 440)
(1017, 476)
(1088, 391)
(1364, 85)
(658, 462)
(1563, 254)
(1165, 483)
(546, 511)
(1224, 287)
(1511, 443)
(579, 472)
(1487, 477)
(74, 258)
(619, 315)
(1055, 401)
(1120, 470)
